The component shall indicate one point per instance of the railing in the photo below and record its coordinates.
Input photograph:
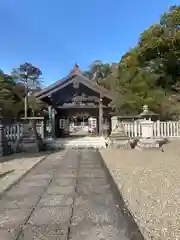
(15, 131)
(166, 129)
(132, 129)
(169, 129)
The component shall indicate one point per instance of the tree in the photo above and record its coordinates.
(35, 105)
(149, 73)
(6, 86)
(109, 82)
(9, 99)
(29, 76)
(160, 48)
(98, 71)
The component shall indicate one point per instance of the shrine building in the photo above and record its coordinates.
(77, 101)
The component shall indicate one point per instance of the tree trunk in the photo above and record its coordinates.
(26, 101)
(25, 106)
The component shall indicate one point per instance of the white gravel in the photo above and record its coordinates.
(149, 182)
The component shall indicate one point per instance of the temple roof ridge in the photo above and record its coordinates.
(75, 70)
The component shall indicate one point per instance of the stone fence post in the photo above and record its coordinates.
(1, 134)
(114, 122)
(147, 139)
(147, 128)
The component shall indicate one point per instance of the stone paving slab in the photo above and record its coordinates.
(89, 190)
(44, 232)
(7, 234)
(58, 189)
(50, 215)
(69, 166)
(107, 200)
(90, 167)
(23, 191)
(13, 218)
(92, 181)
(96, 213)
(97, 232)
(66, 175)
(65, 181)
(39, 177)
(56, 200)
(16, 202)
(34, 183)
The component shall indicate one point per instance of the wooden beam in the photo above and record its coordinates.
(80, 106)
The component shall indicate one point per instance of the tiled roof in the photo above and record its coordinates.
(75, 72)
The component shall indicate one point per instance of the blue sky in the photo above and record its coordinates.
(55, 34)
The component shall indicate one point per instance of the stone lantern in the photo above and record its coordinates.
(146, 122)
(147, 139)
(146, 113)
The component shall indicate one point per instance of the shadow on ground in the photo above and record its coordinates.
(26, 155)
(134, 232)
(6, 173)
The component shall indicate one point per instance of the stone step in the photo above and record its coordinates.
(78, 143)
(118, 143)
(121, 144)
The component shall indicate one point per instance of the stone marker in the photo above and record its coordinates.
(30, 141)
(118, 137)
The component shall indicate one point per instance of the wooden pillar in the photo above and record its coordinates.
(100, 117)
(42, 128)
(53, 123)
(52, 120)
(66, 125)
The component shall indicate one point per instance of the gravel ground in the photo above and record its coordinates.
(149, 183)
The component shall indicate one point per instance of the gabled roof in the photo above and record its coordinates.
(69, 79)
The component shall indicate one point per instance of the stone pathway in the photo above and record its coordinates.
(67, 196)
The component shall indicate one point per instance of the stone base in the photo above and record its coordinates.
(118, 138)
(5, 146)
(6, 149)
(118, 142)
(148, 144)
(30, 140)
(30, 145)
